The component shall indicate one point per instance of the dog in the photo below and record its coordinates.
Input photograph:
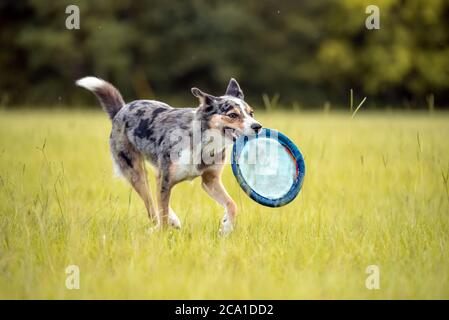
(153, 131)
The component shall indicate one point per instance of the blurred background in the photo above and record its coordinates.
(294, 54)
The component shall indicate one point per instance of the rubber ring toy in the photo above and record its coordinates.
(283, 174)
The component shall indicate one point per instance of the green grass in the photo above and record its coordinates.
(375, 192)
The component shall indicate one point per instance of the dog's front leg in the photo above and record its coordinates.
(211, 182)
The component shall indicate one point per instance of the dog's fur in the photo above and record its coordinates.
(144, 130)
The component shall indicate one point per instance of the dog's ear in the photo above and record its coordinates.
(205, 98)
(234, 89)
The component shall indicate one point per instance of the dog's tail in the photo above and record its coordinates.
(110, 98)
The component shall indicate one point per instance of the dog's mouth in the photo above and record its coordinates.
(232, 133)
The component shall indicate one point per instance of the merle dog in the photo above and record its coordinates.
(166, 137)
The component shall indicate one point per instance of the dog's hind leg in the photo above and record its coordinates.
(164, 190)
(132, 167)
(166, 214)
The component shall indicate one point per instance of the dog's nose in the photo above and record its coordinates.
(256, 127)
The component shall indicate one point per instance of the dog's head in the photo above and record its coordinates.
(229, 113)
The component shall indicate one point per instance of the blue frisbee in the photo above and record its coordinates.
(269, 167)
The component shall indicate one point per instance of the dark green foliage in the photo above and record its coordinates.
(307, 52)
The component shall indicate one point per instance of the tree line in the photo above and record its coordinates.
(302, 53)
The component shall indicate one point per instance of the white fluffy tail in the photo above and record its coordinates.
(110, 98)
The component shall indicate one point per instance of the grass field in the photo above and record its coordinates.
(375, 193)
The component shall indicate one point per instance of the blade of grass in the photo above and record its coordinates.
(358, 107)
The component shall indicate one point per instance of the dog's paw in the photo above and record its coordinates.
(173, 220)
(227, 226)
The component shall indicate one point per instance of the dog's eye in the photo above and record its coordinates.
(233, 115)
(251, 113)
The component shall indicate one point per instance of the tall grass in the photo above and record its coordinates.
(376, 192)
